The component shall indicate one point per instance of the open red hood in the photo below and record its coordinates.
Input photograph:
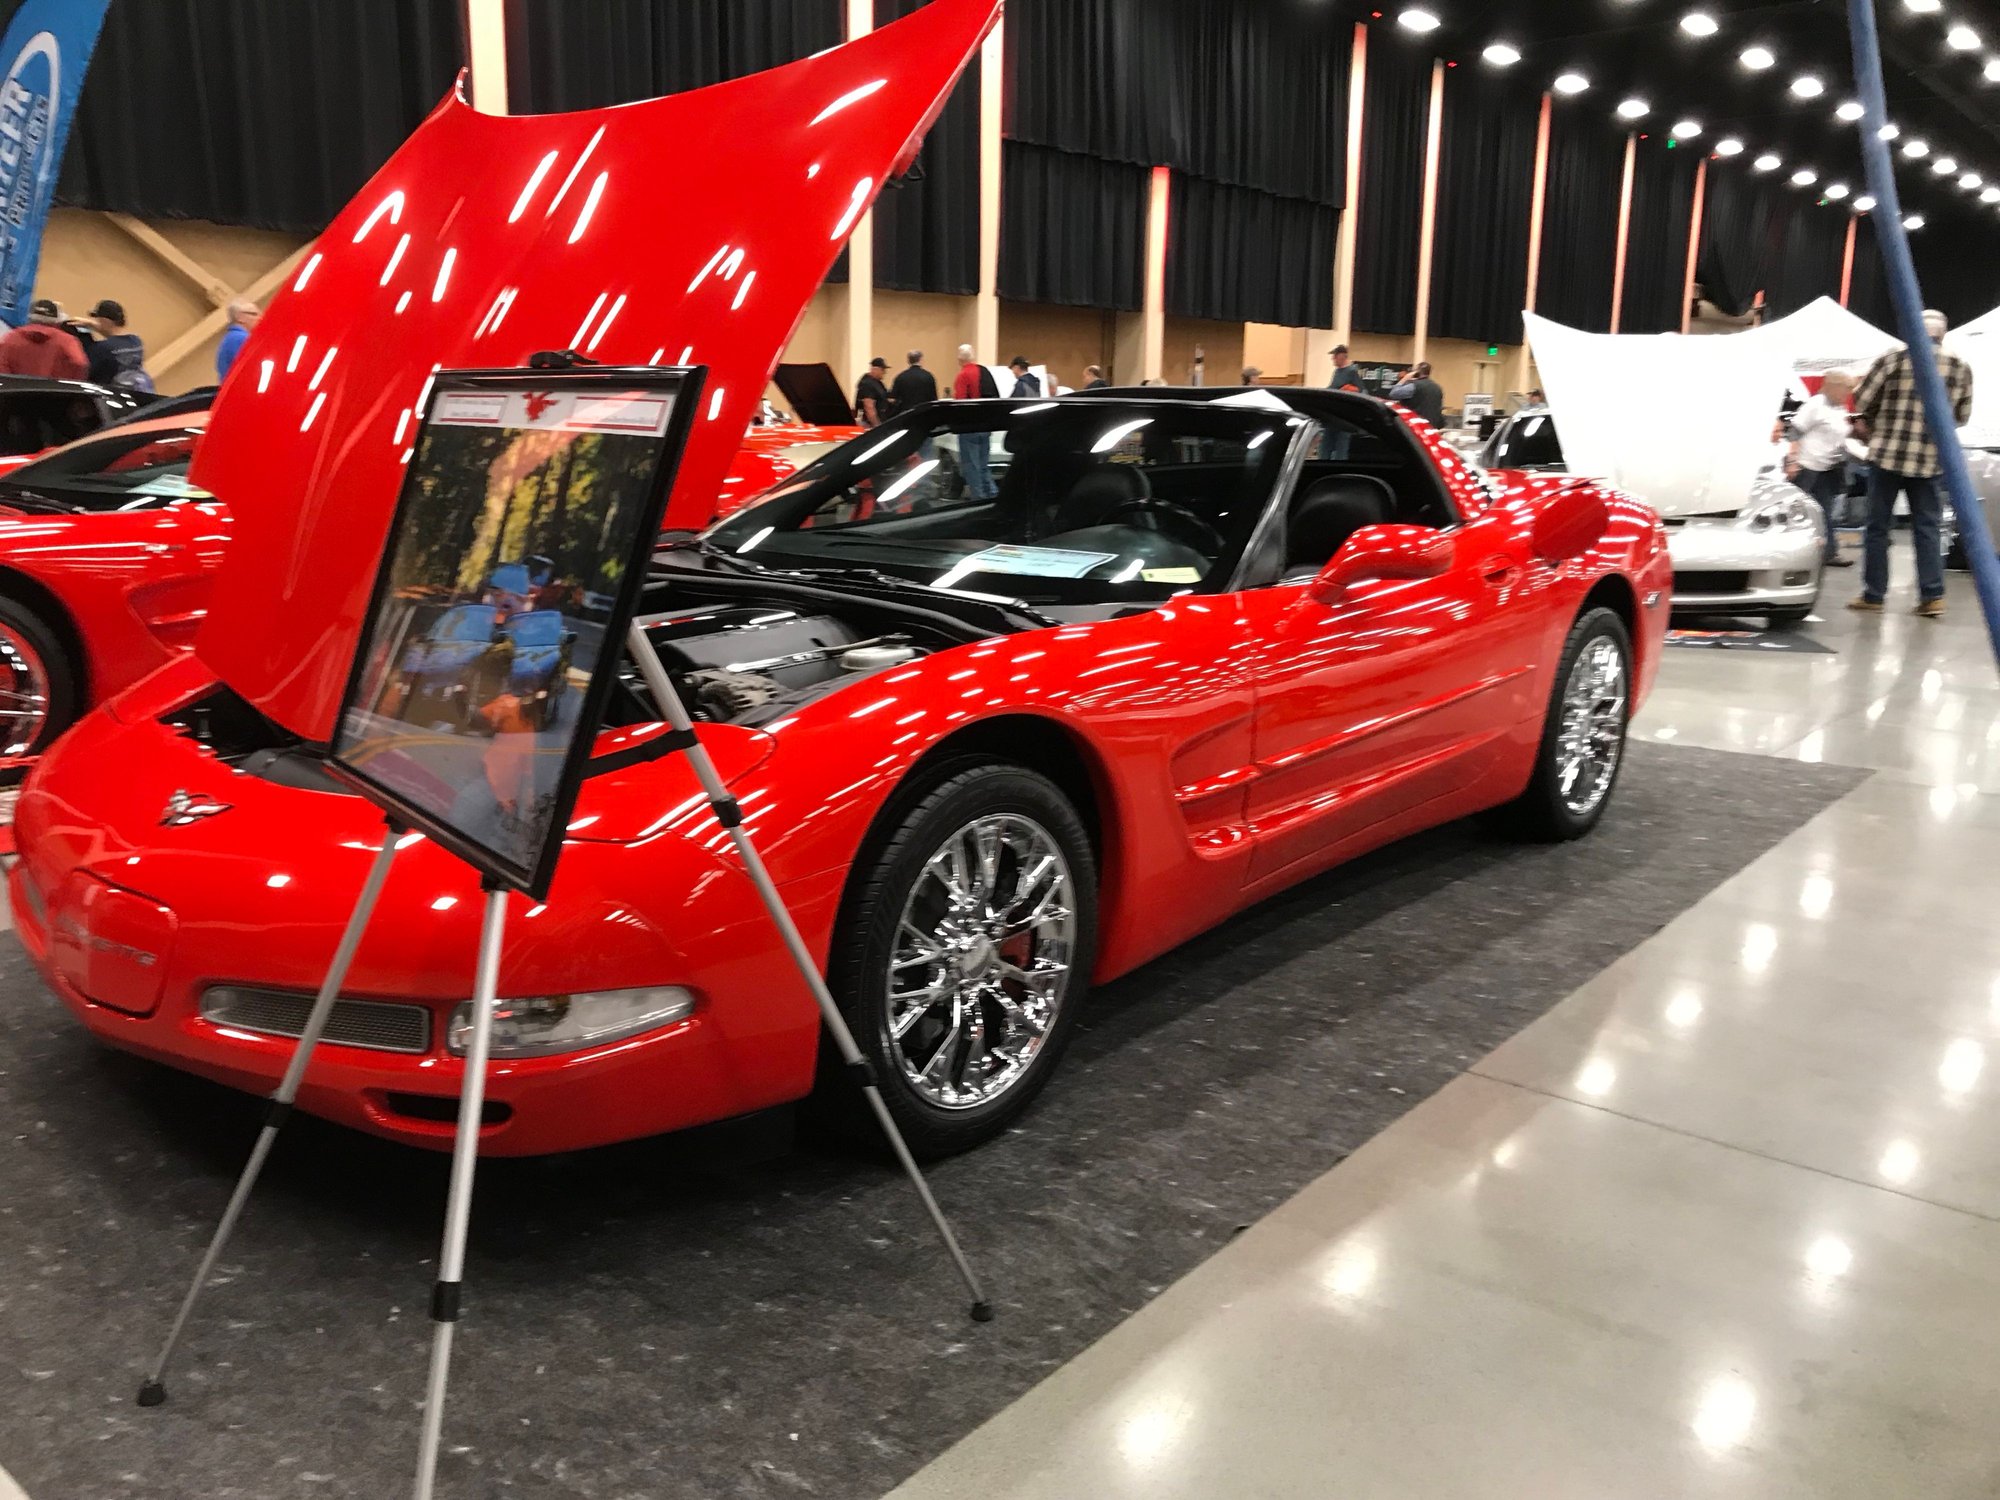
(686, 230)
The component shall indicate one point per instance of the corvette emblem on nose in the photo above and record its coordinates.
(186, 807)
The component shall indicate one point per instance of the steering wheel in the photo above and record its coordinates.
(1196, 532)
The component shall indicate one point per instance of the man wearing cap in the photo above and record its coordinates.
(117, 358)
(871, 395)
(42, 346)
(1906, 462)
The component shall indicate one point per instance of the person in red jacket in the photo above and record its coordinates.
(42, 346)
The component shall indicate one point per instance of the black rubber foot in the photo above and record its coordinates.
(982, 1312)
(152, 1393)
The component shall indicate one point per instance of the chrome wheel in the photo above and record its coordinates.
(1593, 726)
(981, 961)
(24, 692)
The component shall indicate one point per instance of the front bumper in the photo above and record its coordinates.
(1721, 567)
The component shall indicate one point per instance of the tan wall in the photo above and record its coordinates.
(928, 321)
(1279, 352)
(1222, 343)
(1066, 339)
(86, 256)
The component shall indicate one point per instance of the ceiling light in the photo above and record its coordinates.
(1634, 109)
(1990, 195)
(1838, 190)
(1863, 204)
(1962, 39)
(1922, 7)
(1757, 59)
(1804, 177)
(1807, 86)
(1699, 23)
(1971, 180)
(1729, 146)
(1415, 19)
(1502, 54)
(1915, 149)
(1768, 162)
(1571, 83)
(1915, 221)
(1993, 70)
(1944, 166)
(1687, 130)
(1850, 111)
(1890, 131)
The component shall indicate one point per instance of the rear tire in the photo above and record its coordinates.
(1583, 737)
(41, 684)
(963, 951)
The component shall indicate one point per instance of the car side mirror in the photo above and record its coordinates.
(1383, 554)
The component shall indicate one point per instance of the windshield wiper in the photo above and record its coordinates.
(708, 549)
(26, 499)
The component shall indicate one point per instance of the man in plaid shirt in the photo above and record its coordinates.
(1906, 462)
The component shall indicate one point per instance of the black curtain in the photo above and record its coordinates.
(249, 112)
(1808, 267)
(1248, 93)
(927, 226)
(1390, 228)
(564, 55)
(1958, 258)
(1869, 297)
(1743, 234)
(1580, 223)
(1486, 187)
(1072, 228)
(1656, 255)
(1240, 256)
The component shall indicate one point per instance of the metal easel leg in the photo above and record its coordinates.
(731, 818)
(153, 1392)
(458, 1202)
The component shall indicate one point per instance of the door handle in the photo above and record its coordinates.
(1498, 570)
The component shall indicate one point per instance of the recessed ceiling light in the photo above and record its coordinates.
(1915, 149)
(1571, 83)
(1993, 70)
(1729, 145)
(1687, 130)
(1971, 180)
(1502, 54)
(1416, 19)
(1634, 109)
(1699, 23)
(1864, 204)
(1850, 111)
(1768, 162)
(1890, 131)
(1804, 177)
(1990, 195)
(1914, 222)
(1807, 86)
(1838, 190)
(1944, 166)
(1922, 7)
(1962, 39)
(1757, 59)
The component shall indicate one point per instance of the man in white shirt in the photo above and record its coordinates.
(1819, 449)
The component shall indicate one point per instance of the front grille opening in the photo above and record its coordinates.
(442, 1109)
(377, 1025)
(1690, 584)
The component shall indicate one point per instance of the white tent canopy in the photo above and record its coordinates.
(1978, 343)
(1824, 336)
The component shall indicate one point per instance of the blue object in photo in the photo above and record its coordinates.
(45, 51)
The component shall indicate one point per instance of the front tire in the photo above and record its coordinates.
(964, 949)
(1583, 737)
(41, 688)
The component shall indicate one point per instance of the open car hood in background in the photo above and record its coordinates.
(687, 230)
(814, 395)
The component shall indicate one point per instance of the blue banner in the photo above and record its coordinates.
(45, 51)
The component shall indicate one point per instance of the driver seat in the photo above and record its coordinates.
(1098, 494)
(1329, 512)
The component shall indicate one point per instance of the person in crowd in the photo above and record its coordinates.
(117, 358)
(871, 394)
(1906, 462)
(42, 346)
(1252, 375)
(1093, 378)
(1536, 397)
(1345, 376)
(1819, 455)
(1026, 381)
(975, 449)
(243, 315)
(1423, 396)
(916, 386)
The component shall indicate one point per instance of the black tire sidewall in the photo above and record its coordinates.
(65, 689)
(885, 872)
(1543, 807)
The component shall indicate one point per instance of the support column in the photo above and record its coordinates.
(1320, 342)
(1142, 336)
(1537, 207)
(486, 54)
(858, 329)
(1847, 259)
(1624, 230)
(1427, 233)
(1694, 244)
(992, 96)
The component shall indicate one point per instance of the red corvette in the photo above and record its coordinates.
(1014, 695)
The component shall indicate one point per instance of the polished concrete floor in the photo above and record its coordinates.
(1725, 1222)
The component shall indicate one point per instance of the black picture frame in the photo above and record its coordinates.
(683, 385)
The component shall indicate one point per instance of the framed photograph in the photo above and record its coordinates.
(530, 507)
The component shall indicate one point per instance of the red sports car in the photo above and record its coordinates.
(1014, 695)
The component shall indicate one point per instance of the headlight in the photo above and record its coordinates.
(545, 1024)
(1795, 514)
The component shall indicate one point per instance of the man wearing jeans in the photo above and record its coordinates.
(975, 383)
(1907, 462)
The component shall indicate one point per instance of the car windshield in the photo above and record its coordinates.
(1082, 502)
(468, 622)
(542, 628)
(1527, 442)
(122, 471)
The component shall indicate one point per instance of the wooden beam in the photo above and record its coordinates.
(164, 250)
(1624, 231)
(1427, 231)
(1537, 207)
(171, 355)
(1350, 218)
(1847, 260)
(992, 98)
(1694, 244)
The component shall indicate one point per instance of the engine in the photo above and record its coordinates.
(748, 663)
